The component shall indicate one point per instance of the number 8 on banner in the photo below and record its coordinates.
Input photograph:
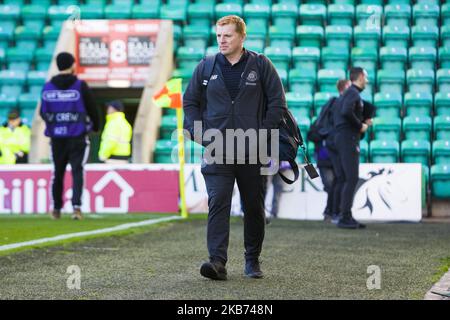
(118, 51)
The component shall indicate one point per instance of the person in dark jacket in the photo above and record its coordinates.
(70, 113)
(349, 125)
(244, 92)
(317, 133)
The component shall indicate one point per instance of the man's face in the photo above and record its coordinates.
(230, 42)
(14, 122)
(363, 79)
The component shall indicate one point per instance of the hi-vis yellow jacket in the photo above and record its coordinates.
(14, 141)
(116, 137)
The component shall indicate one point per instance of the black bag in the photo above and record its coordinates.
(290, 140)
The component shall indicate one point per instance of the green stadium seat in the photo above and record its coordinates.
(7, 102)
(168, 126)
(138, 11)
(36, 80)
(365, 58)
(178, 36)
(392, 58)
(382, 151)
(367, 37)
(442, 103)
(189, 57)
(281, 37)
(280, 56)
(387, 128)
(425, 36)
(310, 36)
(335, 58)
(50, 34)
(419, 80)
(302, 81)
(338, 36)
(426, 14)
(212, 50)
(327, 79)
(312, 14)
(441, 152)
(397, 14)
(58, 14)
(29, 101)
(391, 81)
(418, 103)
(445, 14)
(303, 123)
(416, 151)
(9, 12)
(256, 41)
(388, 104)
(440, 181)
(98, 2)
(241, 2)
(7, 29)
(422, 57)
(441, 127)
(341, 14)
(372, 2)
(369, 15)
(299, 103)
(118, 11)
(12, 82)
(27, 37)
(173, 12)
(320, 98)
(417, 127)
(396, 36)
(257, 15)
(195, 36)
(445, 36)
(363, 151)
(43, 58)
(283, 74)
(19, 59)
(164, 150)
(443, 80)
(34, 16)
(306, 58)
(184, 74)
(201, 14)
(285, 15)
(225, 9)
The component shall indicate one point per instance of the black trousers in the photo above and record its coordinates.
(329, 182)
(220, 179)
(345, 161)
(73, 151)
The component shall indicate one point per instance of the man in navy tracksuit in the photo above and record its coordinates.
(243, 92)
(349, 125)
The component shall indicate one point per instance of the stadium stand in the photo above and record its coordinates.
(404, 45)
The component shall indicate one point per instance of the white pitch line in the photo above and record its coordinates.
(87, 233)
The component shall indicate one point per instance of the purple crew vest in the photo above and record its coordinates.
(64, 112)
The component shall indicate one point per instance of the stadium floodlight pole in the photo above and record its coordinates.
(170, 97)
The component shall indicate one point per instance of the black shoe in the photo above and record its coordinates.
(360, 225)
(253, 269)
(214, 270)
(347, 222)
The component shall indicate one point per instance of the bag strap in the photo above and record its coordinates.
(294, 168)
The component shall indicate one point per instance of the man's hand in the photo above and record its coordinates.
(364, 127)
(369, 122)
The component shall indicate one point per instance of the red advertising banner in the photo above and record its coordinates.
(115, 53)
(108, 189)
